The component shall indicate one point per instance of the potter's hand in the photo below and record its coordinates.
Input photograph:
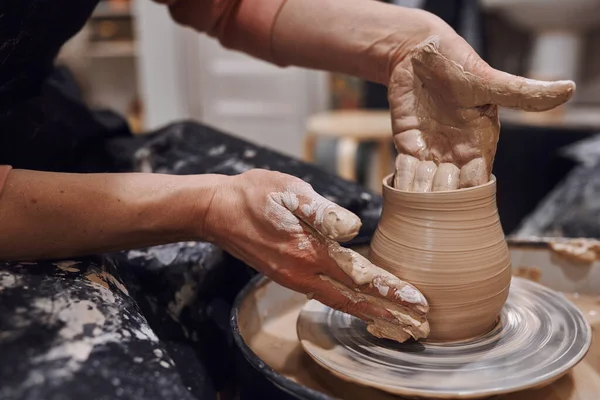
(280, 226)
(444, 100)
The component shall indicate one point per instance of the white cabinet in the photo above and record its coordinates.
(186, 74)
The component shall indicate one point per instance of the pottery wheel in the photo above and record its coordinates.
(540, 337)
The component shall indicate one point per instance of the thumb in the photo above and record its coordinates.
(327, 218)
(512, 91)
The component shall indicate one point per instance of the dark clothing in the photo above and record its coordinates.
(149, 324)
(157, 326)
(44, 124)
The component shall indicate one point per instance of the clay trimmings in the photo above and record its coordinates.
(579, 250)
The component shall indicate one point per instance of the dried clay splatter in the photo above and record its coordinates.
(85, 325)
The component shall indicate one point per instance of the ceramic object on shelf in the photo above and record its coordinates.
(451, 246)
(558, 27)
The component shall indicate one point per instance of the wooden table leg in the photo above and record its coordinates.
(346, 158)
(310, 143)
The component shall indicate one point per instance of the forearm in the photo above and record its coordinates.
(357, 37)
(54, 215)
(363, 38)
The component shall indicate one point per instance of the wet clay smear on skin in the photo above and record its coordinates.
(323, 222)
(445, 116)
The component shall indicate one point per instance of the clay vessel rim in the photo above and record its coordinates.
(388, 178)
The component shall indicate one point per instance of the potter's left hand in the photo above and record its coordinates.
(444, 100)
(280, 226)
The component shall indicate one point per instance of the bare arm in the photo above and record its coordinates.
(357, 37)
(53, 215)
(363, 38)
(274, 222)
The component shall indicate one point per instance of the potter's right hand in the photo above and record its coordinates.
(280, 226)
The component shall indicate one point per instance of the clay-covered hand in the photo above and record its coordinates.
(444, 101)
(280, 226)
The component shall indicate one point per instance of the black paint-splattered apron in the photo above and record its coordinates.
(142, 324)
(148, 323)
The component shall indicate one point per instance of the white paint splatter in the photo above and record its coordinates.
(249, 153)
(75, 347)
(183, 297)
(145, 333)
(74, 344)
(67, 265)
(8, 280)
(216, 151)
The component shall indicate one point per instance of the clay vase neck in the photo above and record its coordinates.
(451, 246)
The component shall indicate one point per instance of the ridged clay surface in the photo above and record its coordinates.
(449, 245)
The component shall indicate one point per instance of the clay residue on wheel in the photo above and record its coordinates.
(270, 331)
(531, 273)
(579, 250)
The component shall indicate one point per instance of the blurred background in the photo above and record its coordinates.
(132, 59)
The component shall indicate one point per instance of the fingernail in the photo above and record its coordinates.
(410, 294)
(339, 224)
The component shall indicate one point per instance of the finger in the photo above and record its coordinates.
(480, 84)
(357, 273)
(424, 176)
(406, 167)
(410, 142)
(330, 220)
(386, 319)
(513, 91)
(473, 173)
(339, 297)
(446, 178)
(373, 280)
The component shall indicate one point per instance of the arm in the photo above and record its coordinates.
(53, 215)
(272, 221)
(356, 37)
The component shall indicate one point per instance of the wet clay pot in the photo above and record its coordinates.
(451, 246)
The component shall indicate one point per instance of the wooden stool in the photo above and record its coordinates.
(351, 127)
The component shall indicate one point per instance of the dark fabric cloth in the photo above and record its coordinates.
(151, 323)
(44, 124)
(71, 330)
